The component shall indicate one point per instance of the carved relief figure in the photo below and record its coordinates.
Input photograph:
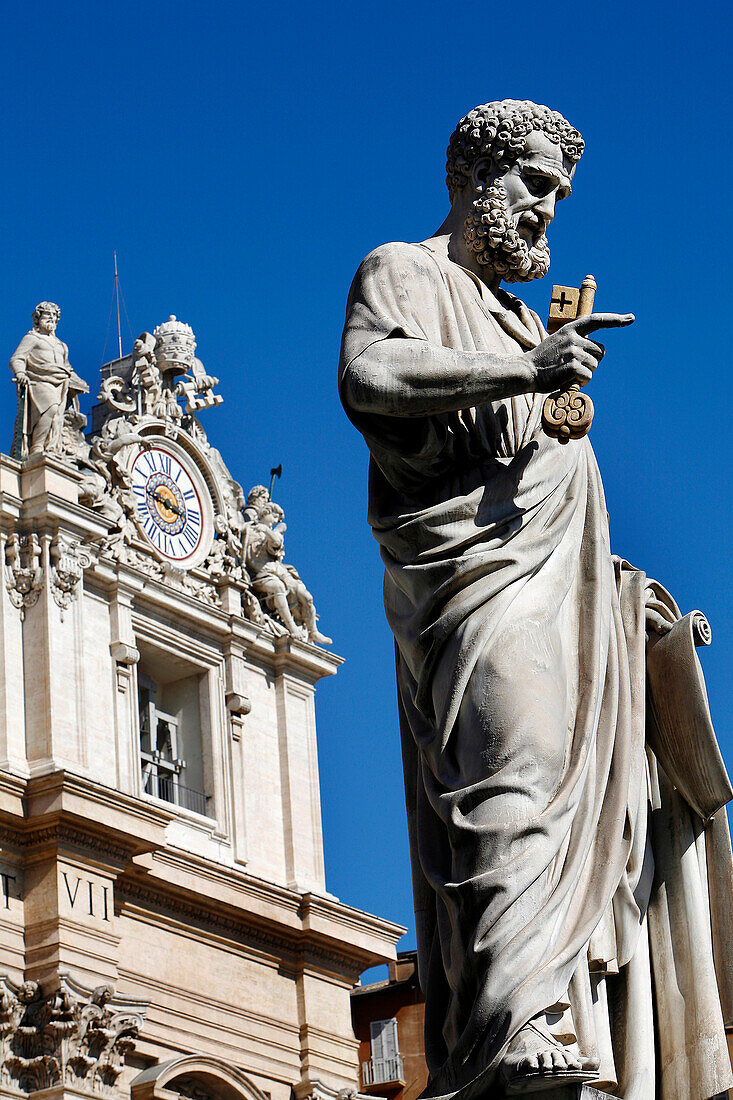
(278, 585)
(565, 915)
(46, 383)
(105, 483)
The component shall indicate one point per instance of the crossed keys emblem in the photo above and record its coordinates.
(569, 415)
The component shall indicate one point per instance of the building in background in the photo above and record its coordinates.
(389, 1022)
(165, 927)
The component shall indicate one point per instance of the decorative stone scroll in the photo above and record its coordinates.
(68, 560)
(23, 570)
(71, 1036)
(192, 586)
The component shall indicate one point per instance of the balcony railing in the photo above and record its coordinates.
(170, 790)
(378, 1071)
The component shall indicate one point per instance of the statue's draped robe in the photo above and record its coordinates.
(555, 868)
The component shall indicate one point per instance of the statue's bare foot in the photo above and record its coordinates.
(535, 1060)
(318, 638)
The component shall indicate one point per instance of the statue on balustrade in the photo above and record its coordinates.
(571, 856)
(47, 386)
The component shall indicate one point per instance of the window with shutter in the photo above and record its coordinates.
(386, 1063)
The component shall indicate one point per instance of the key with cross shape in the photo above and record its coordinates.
(563, 306)
(569, 415)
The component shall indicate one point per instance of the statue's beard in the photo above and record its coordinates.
(489, 233)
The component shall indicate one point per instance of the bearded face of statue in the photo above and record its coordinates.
(506, 225)
(46, 322)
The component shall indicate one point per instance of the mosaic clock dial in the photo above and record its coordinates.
(169, 504)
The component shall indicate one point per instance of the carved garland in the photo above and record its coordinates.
(24, 569)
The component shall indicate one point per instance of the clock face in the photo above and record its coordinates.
(170, 504)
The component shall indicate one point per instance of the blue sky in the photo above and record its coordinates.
(243, 158)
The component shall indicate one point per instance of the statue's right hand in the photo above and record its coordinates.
(568, 357)
(21, 378)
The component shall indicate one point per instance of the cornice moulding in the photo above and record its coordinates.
(61, 808)
(275, 925)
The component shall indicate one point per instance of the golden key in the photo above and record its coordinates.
(569, 415)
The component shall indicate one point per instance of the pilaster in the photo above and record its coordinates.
(63, 843)
(125, 656)
(53, 659)
(12, 908)
(70, 912)
(13, 598)
(297, 667)
(238, 707)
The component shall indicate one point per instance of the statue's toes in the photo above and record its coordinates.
(562, 1060)
(546, 1060)
(528, 1064)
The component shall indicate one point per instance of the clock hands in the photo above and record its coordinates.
(165, 502)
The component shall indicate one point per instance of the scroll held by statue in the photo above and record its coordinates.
(680, 729)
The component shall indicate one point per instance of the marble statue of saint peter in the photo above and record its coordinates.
(568, 900)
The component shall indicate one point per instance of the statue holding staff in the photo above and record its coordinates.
(46, 384)
(571, 861)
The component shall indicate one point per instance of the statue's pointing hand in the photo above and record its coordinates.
(568, 357)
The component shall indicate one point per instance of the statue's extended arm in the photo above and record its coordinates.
(406, 377)
(409, 377)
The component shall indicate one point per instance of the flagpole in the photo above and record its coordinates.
(117, 295)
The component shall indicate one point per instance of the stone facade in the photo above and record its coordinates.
(165, 923)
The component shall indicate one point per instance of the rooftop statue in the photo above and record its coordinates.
(278, 585)
(566, 915)
(46, 383)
